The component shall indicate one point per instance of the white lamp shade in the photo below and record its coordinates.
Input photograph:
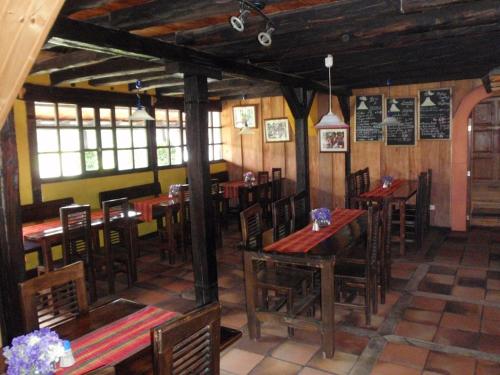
(428, 102)
(140, 114)
(331, 120)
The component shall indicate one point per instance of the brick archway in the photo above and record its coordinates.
(459, 157)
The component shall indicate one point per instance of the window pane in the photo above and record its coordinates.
(175, 137)
(71, 164)
(88, 117)
(105, 117)
(49, 165)
(183, 117)
(45, 114)
(185, 154)
(210, 136)
(70, 140)
(140, 138)
(125, 160)
(122, 116)
(174, 118)
(161, 137)
(47, 140)
(210, 152)
(184, 137)
(163, 156)
(91, 161)
(176, 155)
(89, 139)
(217, 135)
(67, 115)
(108, 159)
(161, 117)
(137, 124)
(141, 158)
(209, 119)
(107, 140)
(216, 119)
(123, 138)
(217, 152)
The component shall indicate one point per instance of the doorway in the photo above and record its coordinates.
(485, 163)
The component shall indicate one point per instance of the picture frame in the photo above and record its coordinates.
(333, 140)
(277, 130)
(244, 116)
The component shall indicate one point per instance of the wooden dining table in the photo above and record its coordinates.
(401, 192)
(49, 233)
(321, 256)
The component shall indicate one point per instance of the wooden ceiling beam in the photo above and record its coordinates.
(73, 6)
(410, 6)
(160, 82)
(110, 68)
(129, 78)
(68, 61)
(85, 36)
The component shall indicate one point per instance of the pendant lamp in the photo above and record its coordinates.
(140, 113)
(330, 120)
(389, 119)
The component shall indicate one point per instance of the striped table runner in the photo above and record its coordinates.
(231, 189)
(145, 206)
(53, 224)
(305, 239)
(381, 192)
(115, 342)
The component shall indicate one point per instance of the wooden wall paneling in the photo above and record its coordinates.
(314, 159)
(278, 150)
(338, 168)
(290, 160)
(232, 142)
(252, 143)
(325, 164)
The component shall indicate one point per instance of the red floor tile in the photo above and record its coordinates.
(404, 355)
(450, 364)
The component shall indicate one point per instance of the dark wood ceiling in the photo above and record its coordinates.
(407, 41)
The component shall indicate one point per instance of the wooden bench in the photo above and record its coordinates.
(131, 192)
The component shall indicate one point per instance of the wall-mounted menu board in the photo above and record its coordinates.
(368, 118)
(435, 114)
(403, 132)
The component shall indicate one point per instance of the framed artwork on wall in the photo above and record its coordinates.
(333, 140)
(277, 130)
(244, 116)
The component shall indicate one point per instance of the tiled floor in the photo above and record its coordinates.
(442, 315)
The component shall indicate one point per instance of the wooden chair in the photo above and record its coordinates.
(351, 189)
(359, 272)
(299, 213)
(54, 297)
(118, 254)
(189, 344)
(262, 177)
(365, 180)
(283, 220)
(276, 187)
(77, 241)
(284, 281)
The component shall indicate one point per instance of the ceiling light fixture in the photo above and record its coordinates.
(389, 119)
(256, 6)
(264, 37)
(330, 120)
(140, 113)
(238, 22)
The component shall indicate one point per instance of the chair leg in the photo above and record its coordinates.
(291, 330)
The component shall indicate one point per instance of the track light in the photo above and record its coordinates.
(265, 38)
(238, 23)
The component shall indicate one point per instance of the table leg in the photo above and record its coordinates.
(251, 295)
(402, 227)
(133, 233)
(47, 255)
(327, 309)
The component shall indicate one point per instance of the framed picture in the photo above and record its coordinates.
(277, 130)
(244, 116)
(333, 140)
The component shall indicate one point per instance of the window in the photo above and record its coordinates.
(170, 137)
(214, 136)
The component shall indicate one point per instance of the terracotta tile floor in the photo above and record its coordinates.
(441, 317)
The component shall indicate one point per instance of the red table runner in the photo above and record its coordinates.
(115, 342)
(305, 239)
(53, 224)
(145, 206)
(231, 189)
(381, 192)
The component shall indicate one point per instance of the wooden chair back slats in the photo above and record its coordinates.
(282, 215)
(252, 227)
(299, 215)
(262, 177)
(276, 184)
(365, 180)
(54, 297)
(190, 344)
(77, 235)
(350, 189)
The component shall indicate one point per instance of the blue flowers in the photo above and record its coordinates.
(322, 216)
(34, 353)
(387, 181)
(248, 177)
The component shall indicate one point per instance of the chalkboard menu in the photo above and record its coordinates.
(435, 114)
(401, 133)
(368, 118)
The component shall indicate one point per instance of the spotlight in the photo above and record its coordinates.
(265, 38)
(238, 23)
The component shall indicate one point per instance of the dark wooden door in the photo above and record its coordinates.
(485, 157)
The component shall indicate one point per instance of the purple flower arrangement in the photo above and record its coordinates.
(34, 354)
(174, 190)
(248, 177)
(387, 181)
(321, 216)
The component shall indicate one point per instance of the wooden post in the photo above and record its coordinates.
(203, 237)
(12, 267)
(345, 107)
(300, 100)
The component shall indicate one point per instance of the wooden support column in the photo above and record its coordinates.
(201, 208)
(11, 240)
(300, 100)
(345, 107)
